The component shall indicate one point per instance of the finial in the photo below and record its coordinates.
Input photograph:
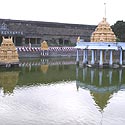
(105, 10)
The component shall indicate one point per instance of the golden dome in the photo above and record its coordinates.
(103, 33)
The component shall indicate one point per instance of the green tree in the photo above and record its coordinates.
(119, 30)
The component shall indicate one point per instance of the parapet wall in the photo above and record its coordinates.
(36, 52)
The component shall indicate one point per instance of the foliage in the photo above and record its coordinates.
(119, 30)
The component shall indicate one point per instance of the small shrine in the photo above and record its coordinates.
(44, 45)
(101, 47)
(44, 48)
(8, 53)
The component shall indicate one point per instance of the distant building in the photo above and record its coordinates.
(34, 32)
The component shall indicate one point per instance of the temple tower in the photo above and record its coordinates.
(103, 33)
(8, 52)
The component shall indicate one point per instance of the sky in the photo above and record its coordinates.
(89, 12)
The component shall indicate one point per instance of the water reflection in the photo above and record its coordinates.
(101, 83)
(44, 68)
(36, 72)
(8, 81)
(56, 92)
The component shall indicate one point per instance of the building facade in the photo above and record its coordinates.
(34, 32)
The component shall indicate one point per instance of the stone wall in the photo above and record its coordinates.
(49, 31)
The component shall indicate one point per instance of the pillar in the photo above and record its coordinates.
(77, 57)
(100, 78)
(110, 77)
(23, 41)
(95, 55)
(43, 53)
(122, 55)
(105, 55)
(84, 73)
(29, 40)
(63, 42)
(93, 58)
(35, 40)
(92, 76)
(77, 75)
(84, 56)
(110, 59)
(120, 61)
(101, 58)
(47, 53)
(120, 75)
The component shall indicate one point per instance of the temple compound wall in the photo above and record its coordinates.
(34, 32)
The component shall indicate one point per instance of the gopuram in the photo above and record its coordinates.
(103, 33)
(8, 53)
(101, 48)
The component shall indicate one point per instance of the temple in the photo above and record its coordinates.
(103, 49)
(101, 83)
(8, 53)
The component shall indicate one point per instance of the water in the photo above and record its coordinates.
(56, 92)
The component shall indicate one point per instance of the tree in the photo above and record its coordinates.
(119, 30)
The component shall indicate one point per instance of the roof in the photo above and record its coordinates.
(101, 45)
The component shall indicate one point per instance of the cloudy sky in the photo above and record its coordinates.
(64, 11)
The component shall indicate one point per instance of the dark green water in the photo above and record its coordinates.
(56, 92)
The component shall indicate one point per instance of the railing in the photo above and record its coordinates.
(29, 49)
